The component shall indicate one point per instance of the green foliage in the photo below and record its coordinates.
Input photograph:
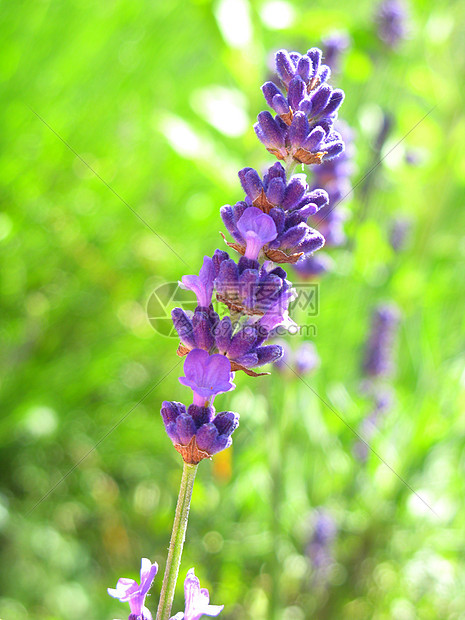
(89, 479)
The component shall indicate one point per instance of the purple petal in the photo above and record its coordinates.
(257, 228)
(270, 133)
(333, 149)
(297, 92)
(200, 415)
(218, 257)
(320, 98)
(269, 353)
(251, 182)
(147, 575)
(269, 90)
(294, 192)
(202, 285)
(284, 66)
(314, 139)
(226, 422)
(280, 105)
(223, 334)
(275, 191)
(183, 325)
(185, 428)
(221, 443)
(205, 437)
(304, 66)
(325, 73)
(319, 197)
(299, 129)
(315, 56)
(242, 342)
(171, 410)
(202, 327)
(335, 101)
(293, 236)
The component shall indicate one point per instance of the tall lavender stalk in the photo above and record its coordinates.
(269, 227)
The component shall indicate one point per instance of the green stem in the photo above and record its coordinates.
(290, 167)
(178, 536)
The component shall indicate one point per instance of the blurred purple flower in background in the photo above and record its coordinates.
(378, 360)
(392, 19)
(319, 548)
(383, 400)
(378, 364)
(197, 600)
(129, 591)
(399, 233)
(302, 361)
(334, 46)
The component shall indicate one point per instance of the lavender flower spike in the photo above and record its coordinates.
(257, 229)
(202, 285)
(129, 591)
(392, 21)
(378, 354)
(207, 375)
(197, 600)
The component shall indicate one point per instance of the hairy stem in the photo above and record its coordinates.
(290, 167)
(178, 536)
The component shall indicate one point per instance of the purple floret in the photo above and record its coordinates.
(202, 285)
(197, 600)
(207, 375)
(129, 591)
(257, 229)
(212, 432)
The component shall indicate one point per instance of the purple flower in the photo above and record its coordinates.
(197, 600)
(276, 191)
(302, 129)
(247, 288)
(257, 229)
(288, 205)
(207, 375)
(129, 591)
(301, 141)
(198, 432)
(307, 67)
(378, 354)
(243, 347)
(202, 285)
(272, 132)
(392, 22)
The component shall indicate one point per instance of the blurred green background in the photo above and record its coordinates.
(159, 99)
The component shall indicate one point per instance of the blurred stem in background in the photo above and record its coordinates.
(178, 536)
(276, 396)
